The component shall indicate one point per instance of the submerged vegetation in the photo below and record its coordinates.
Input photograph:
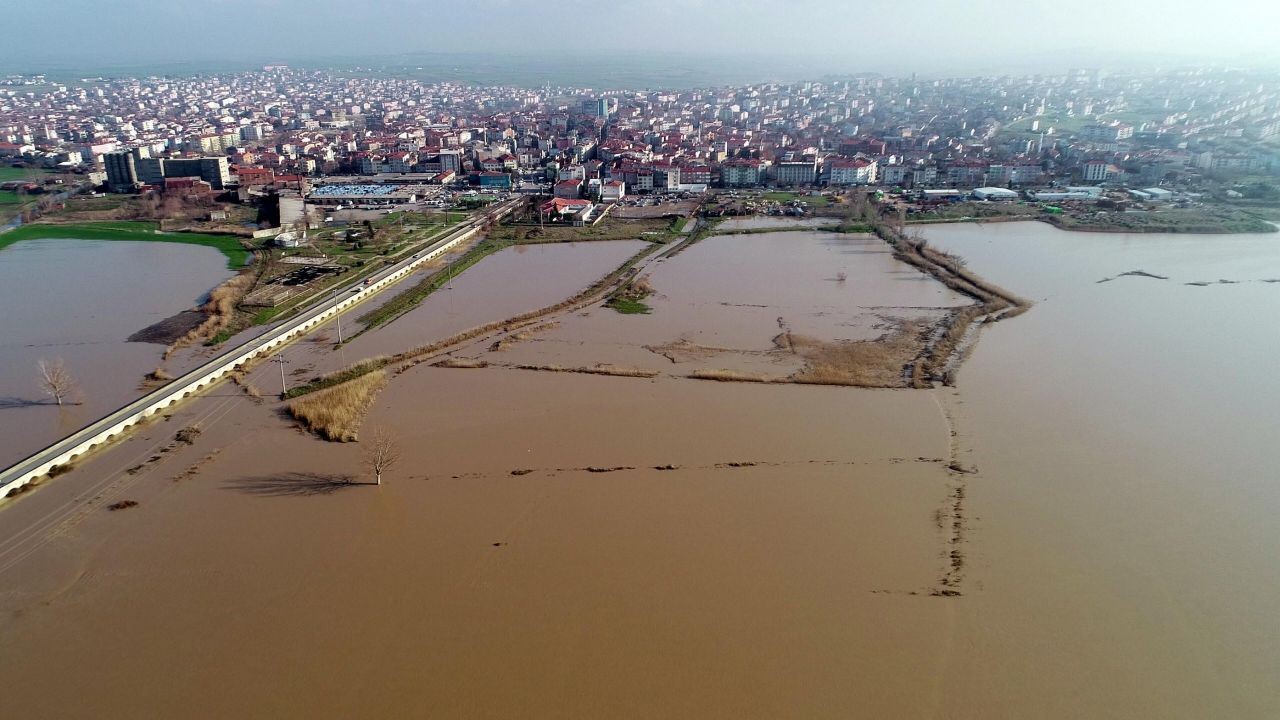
(219, 311)
(629, 299)
(861, 363)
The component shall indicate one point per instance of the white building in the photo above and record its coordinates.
(613, 191)
(994, 193)
(852, 171)
(1096, 171)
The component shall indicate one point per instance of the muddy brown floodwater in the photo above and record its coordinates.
(80, 300)
(1125, 434)
(505, 284)
(1074, 531)
(720, 303)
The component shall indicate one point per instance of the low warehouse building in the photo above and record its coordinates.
(994, 193)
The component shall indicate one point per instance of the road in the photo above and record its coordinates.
(209, 373)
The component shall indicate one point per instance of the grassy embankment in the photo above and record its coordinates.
(993, 303)
(228, 245)
(705, 230)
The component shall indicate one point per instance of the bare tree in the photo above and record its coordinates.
(381, 453)
(859, 209)
(55, 380)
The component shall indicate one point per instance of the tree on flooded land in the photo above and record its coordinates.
(381, 453)
(56, 381)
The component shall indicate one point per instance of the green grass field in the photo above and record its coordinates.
(12, 173)
(228, 245)
(8, 197)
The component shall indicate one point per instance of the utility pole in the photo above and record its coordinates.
(284, 389)
(337, 316)
(449, 285)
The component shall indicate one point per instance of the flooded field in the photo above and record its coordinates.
(510, 282)
(1127, 486)
(722, 303)
(80, 300)
(1082, 528)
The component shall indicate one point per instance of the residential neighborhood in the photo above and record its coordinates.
(1178, 132)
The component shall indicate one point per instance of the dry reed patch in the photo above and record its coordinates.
(861, 363)
(521, 336)
(335, 413)
(463, 363)
(684, 351)
(219, 309)
(730, 376)
(602, 369)
(189, 433)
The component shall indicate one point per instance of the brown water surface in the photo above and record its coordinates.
(512, 281)
(558, 545)
(1125, 432)
(730, 295)
(79, 300)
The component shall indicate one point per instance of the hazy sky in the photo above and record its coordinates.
(917, 35)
